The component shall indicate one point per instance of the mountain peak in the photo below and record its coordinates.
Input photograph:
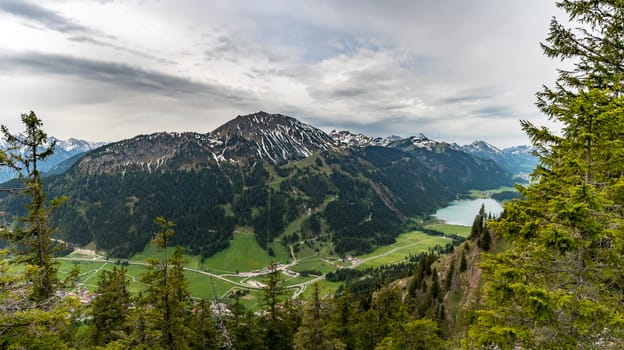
(347, 138)
(250, 124)
(482, 148)
(274, 137)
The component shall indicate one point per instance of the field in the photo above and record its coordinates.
(90, 272)
(241, 266)
(463, 231)
(414, 242)
(243, 254)
(477, 194)
(313, 264)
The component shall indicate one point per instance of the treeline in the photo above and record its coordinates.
(506, 196)
(115, 211)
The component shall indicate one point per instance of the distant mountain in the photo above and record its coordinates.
(483, 149)
(422, 142)
(264, 171)
(449, 163)
(347, 138)
(524, 154)
(517, 160)
(259, 137)
(65, 150)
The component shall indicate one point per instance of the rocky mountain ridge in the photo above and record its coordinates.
(260, 137)
(518, 160)
(64, 151)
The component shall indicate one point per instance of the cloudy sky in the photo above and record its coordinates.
(454, 70)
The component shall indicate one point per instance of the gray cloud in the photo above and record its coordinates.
(77, 33)
(121, 75)
(496, 111)
(394, 67)
(387, 126)
(459, 98)
(91, 40)
(43, 16)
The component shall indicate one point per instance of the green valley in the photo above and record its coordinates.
(239, 269)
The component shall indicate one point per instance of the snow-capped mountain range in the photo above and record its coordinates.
(64, 151)
(261, 136)
(518, 160)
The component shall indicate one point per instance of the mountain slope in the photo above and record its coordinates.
(460, 171)
(263, 171)
(272, 137)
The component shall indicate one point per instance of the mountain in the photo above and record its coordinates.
(272, 137)
(451, 165)
(483, 149)
(523, 158)
(347, 138)
(516, 160)
(65, 150)
(264, 171)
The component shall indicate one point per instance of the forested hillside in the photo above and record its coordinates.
(547, 274)
(263, 171)
(560, 285)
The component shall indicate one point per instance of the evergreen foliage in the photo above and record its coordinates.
(560, 286)
(111, 306)
(167, 296)
(463, 265)
(31, 238)
(31, 314)
(282, 318)
(312, 334)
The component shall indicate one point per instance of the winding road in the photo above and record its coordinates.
(300, 287)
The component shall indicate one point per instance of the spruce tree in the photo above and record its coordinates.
(413, 334)
(485, 242)
(281, 323)
(448, 281)
(478, 224)
(560, 286)
(110, 308)
(463, 263)
(162, 318)
(343, 319)
(31, 314)
(312, 333)
(205, 334)
(32, 237)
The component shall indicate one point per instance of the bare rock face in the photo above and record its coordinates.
(148, 153)
(272, 137)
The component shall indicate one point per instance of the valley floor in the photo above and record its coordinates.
(240, 268)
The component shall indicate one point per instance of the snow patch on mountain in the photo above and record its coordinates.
(274, 137)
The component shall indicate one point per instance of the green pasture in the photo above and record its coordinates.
(326, 288)
(206, 287)
(314, 264)
(463, 231)
(487, 193)
(243, 254)
(413, 242)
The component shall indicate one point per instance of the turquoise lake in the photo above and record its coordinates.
(463, 212)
